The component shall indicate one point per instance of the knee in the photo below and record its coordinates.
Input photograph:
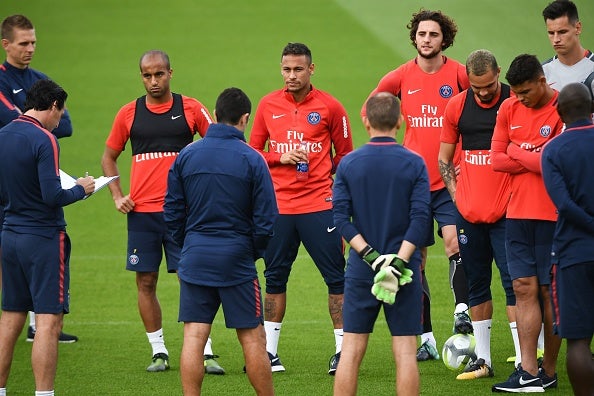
(147, 282)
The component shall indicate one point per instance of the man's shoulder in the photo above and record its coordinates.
(324, 96)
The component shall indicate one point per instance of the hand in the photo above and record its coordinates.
(376, 260)
(124, 204)
(88, 183)
(388, 280)
(386, 284)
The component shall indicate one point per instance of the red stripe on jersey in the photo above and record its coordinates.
(6, 102)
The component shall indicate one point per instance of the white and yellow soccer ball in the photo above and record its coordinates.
(458, 350)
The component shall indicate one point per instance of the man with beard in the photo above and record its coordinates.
(424, 85)
(481, 197)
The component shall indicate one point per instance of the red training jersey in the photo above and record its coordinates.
(424, 97)
(481, 193)
(529, 130)
(148, 176)
(322, 123)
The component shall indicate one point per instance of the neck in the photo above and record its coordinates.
(16, 65)
(298, 96)
(168, 97)
(40, 116)
(430, 65)
(549, 93)
(573, 57)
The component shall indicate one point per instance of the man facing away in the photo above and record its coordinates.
(220, 206)
(381, 207)
(35, 246)
(567, 174)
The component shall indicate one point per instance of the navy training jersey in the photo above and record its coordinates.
(30, 185)
(381, 191)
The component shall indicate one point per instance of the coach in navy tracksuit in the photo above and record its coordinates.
(569, 178)
(381, 200)
(35, 246)
(220, 206)
(16, 77)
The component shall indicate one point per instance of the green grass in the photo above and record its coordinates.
(92, 49)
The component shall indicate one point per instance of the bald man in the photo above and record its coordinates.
(567, 172)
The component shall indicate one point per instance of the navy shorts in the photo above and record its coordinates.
(36, 273)
(361, 309)
(242, 304)
(572, 295)
(528, 245)
(443, 211)
(320, 238)
(480, 244)
(147, 238)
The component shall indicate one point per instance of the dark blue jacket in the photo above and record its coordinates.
(30, 184)
(14, 83)
(381, 191)
(569, 178)
(220, 206)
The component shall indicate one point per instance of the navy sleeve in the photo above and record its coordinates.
(265, 207)
(342, 207)
(175, 203)
(419, 209)
(52, 192)
(559, 193)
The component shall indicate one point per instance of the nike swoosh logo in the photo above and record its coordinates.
(274, 116)
(412, 91)
(16, 91)
(524, 382)
(515, 126)
(330, 229)
(274, 360)
(175, 117)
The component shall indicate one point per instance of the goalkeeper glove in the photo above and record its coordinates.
(386, 285)
(388, 280)
(375, 260)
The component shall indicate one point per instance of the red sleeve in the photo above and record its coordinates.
(259, 136)
(340, 133)
(120, 130)
(500, 160)
(453, 110)
(529, 159)
(197, 115)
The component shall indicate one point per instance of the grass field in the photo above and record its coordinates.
(92, 48)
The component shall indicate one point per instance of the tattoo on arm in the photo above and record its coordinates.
(448, 174)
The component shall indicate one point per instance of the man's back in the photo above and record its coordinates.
(232, 202)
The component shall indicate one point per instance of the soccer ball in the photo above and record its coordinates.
(458, 350)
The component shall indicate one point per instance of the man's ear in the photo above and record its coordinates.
(400, 121)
